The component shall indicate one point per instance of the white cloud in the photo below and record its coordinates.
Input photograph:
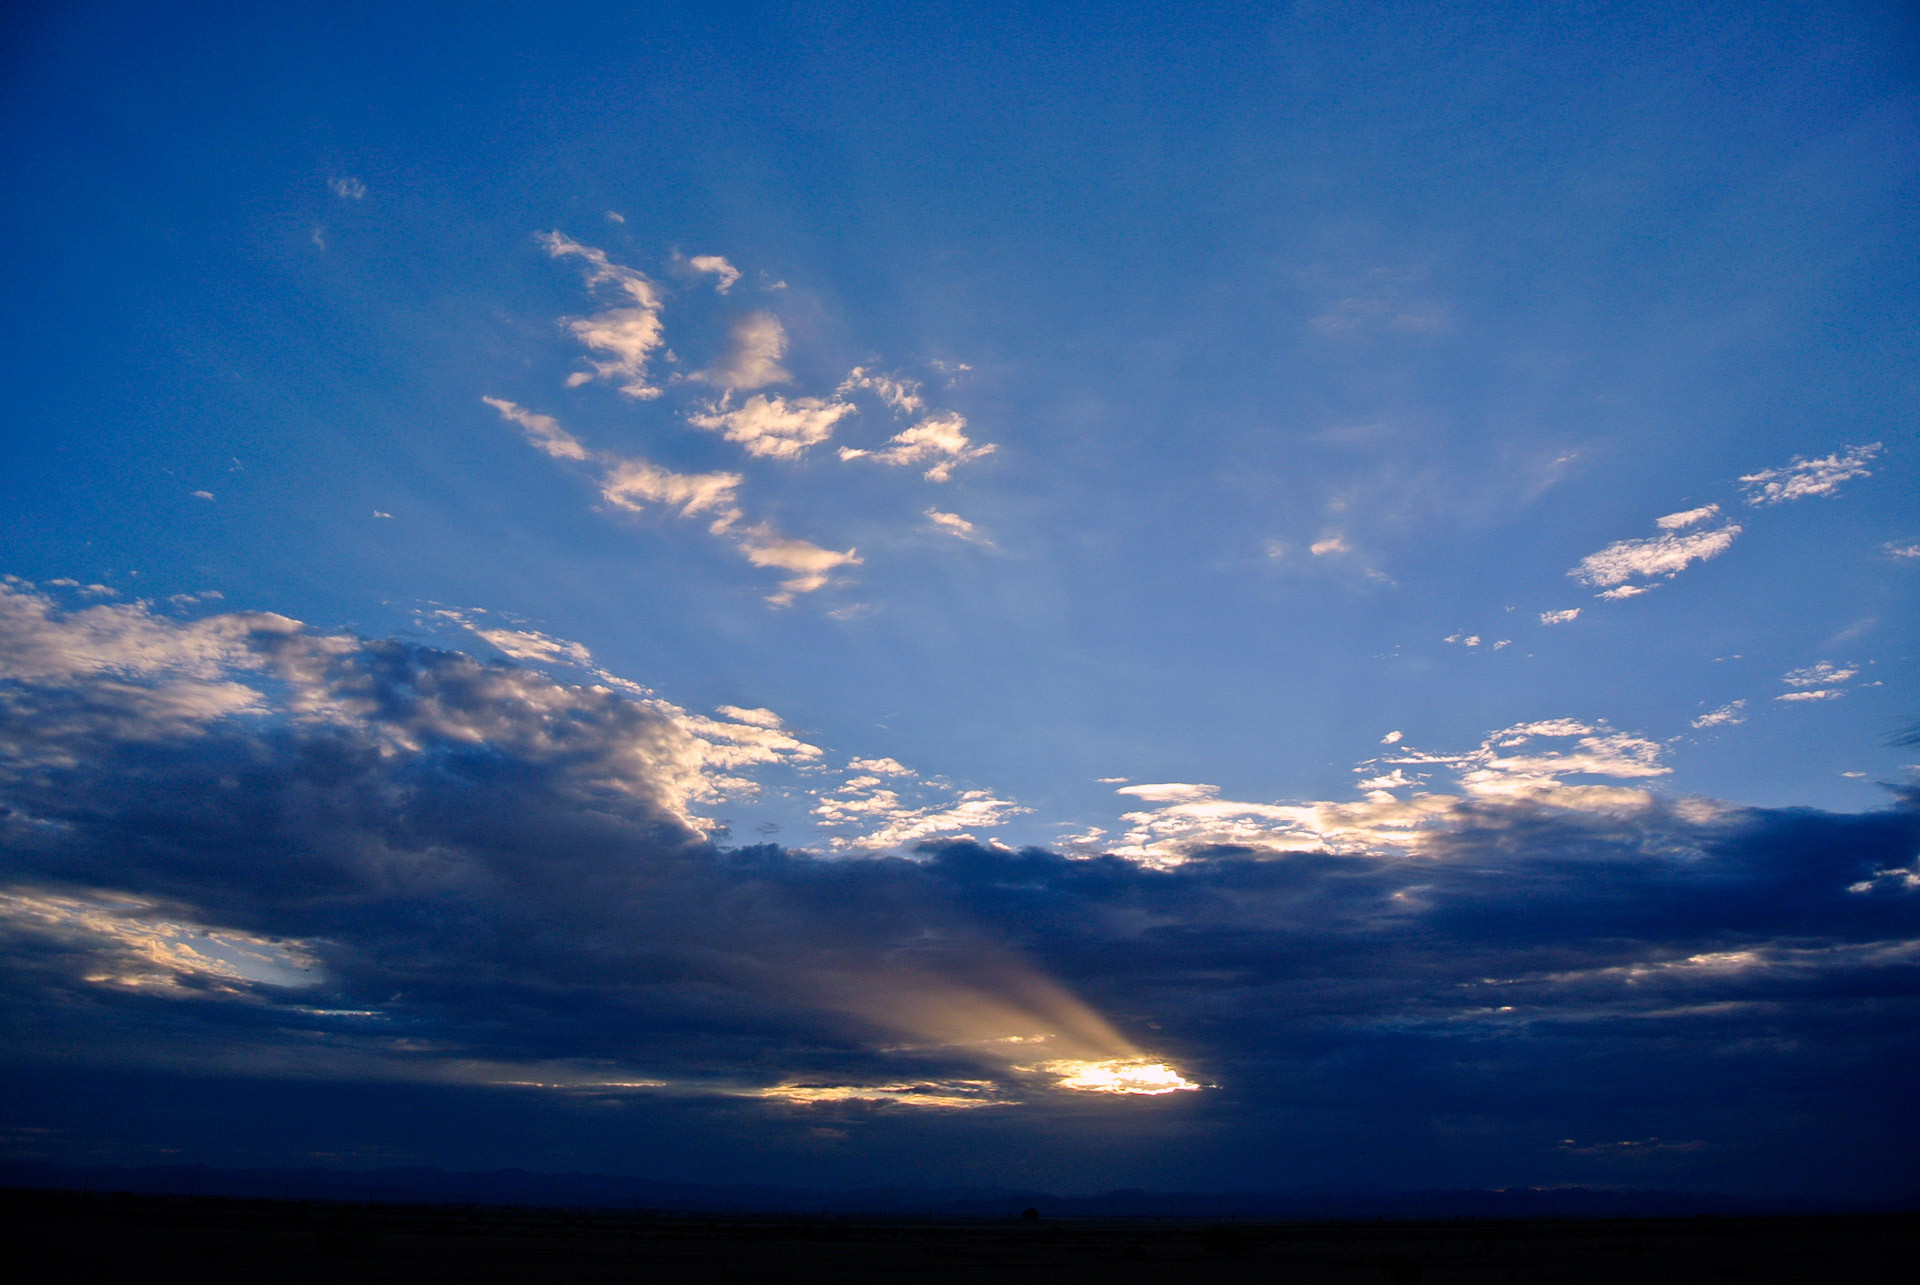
(1824, 694)
(863, 802)
(379, 513)
(1666, 554)
(809, 565)
(134, 944)
(542, 430)
(1691, 517)
(754, 348)
(203, 495)
(633, 483)
(1391, 738)
(1893, 550)
(775, 427)
(1559, 617)
(1804, 477)
(880, 766)
(628, 334)
(348, 188)
(939, 438)
(1819, 675)
(1627, 591)
(958, 527)
(902, 395)
(1528, 764)
(725, 273)
(613, 216)
(1726, 716)
(1331, 544)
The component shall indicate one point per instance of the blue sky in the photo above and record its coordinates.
(1190, 465)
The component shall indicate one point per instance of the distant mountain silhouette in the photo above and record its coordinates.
(601, 1191)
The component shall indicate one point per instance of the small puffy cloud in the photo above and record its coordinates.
(1823, 694)
(203, 495)
(1170, 792)
(1330, 545)
(1903, 551)
(775, 427)
(1559, 617)
(348, 188)
(939, 441)
(633, 483)
(381, 513)
(1726, 716)
(1819, 675)
(614, 216)
(752, 360)
(716, 266)
(542, 430)
(902, 395)
(958, 527)
(628, 334)
(1391, 738)
(1666, 554)
(807, 564)
(1804, 477)
(879, 767)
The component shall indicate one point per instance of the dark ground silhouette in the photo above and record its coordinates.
(75, 1236)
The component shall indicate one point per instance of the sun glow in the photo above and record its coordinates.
(1118, 1075)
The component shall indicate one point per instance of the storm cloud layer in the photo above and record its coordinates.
(239, 847)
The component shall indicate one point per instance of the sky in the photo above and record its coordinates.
(1195, 597)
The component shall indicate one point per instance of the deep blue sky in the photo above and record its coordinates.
(1448, 528)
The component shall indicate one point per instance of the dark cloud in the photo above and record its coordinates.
(237, 851)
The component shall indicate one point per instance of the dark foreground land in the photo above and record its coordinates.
(71, 1236)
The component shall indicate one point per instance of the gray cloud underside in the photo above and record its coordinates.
(486, 869)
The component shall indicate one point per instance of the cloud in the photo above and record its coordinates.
(203, 495)
(1391, 738)
(1666, 554)
(958, 527)
(716, 266)
(1824, 694)
(1804, 477)
(1559, 617)
(348, 188)
(632, 483)
(378, 513)
(902, 395)
(1903, 551)
(1726, 716)
(866, 804)
(775, 427)
(809, 565)
(398, 865)
(542, 430)
(752, 360)
(939, 438)
(628, 334)
(1819, 675)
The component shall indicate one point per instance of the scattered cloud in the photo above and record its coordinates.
(1330, 545)
(1391, 738)
(1904, 551)
(203, 495)
(808, 565)
(1666, 554)
(958, 527)
(628, 334)
(1804, 477)
(775, 427)
(1559, 617)
(755, 346)
(542, 430)
(902, 395)
(1819, 675)
(348, 188)
(1823, 694)
(1726, 716)
(716, 266)
(381, 513)
(939, 441)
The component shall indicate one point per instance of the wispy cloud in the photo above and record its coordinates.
(1902, 551)
(348, 188)
(716, 266)
(958, 527)
(755, 346)
(1804, 476)
(632, 483)
(902, 395)
(867, 804)
(628, 334)
(1823, 681)
(775, 427)
(939, 441)
(1726, 716)
(1666, 554)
